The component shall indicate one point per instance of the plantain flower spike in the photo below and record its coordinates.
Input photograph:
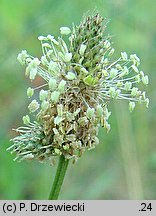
(81, 78)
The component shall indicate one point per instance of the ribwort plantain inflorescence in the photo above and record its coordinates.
(81, 77)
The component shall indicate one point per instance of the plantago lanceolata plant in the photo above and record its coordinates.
(81, 78)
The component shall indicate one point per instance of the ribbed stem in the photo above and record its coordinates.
(59, 177)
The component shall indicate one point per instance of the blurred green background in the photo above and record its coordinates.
(123, 166)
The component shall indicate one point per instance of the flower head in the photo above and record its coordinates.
(81, 78)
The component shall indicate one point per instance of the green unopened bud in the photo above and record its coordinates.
(26, 120)
(131, 106)
(33, 106)
(90, 80)
(30, 92)
(65, 30)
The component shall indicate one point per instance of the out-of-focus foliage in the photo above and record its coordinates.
(123, 166)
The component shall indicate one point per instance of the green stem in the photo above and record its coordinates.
(59, 177)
